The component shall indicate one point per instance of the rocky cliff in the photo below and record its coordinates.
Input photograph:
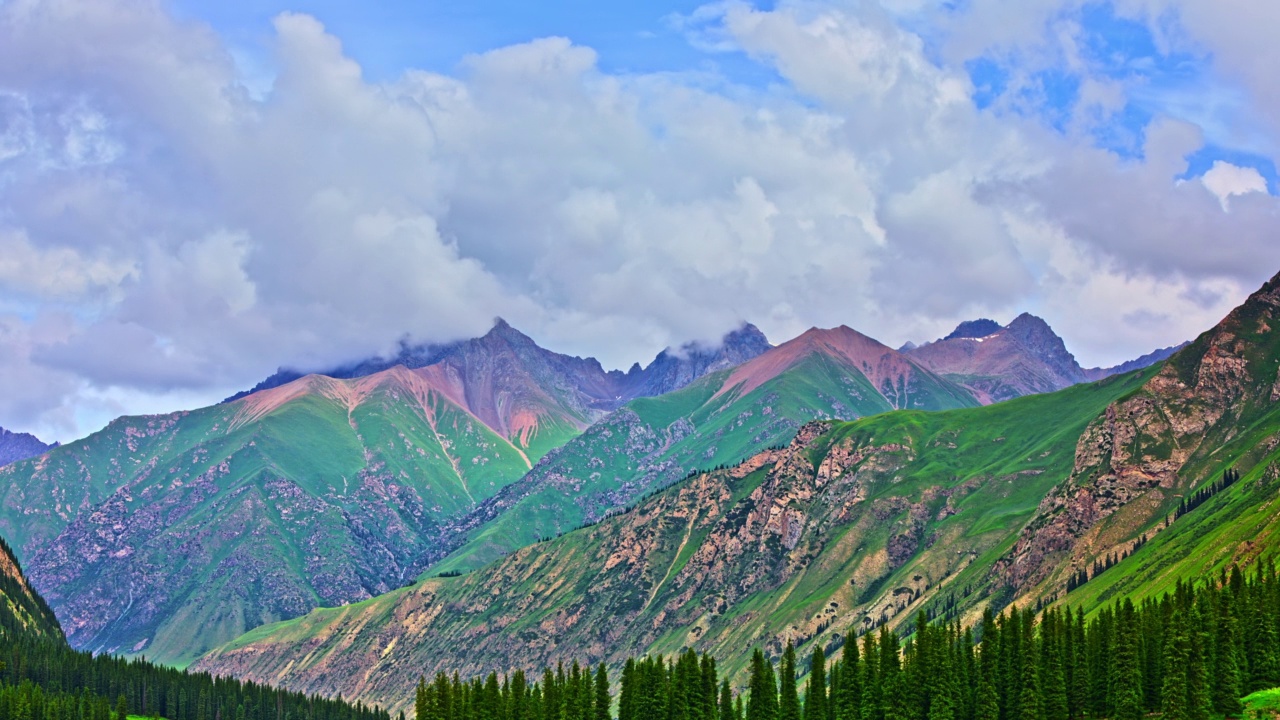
(1212, 407)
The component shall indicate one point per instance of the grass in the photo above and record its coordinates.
(1262, 703)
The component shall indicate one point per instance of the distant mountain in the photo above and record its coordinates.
(169, 534)
(1026, 356)
(1103, 491)
(718, 420)
(974, 329)
(590, 389)
(848, 526)
(1139, 363)
(20, 446)
(674, 369)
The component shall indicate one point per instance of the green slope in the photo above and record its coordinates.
(168, 535)
(1211, 408)
(652, 442)
(851, 525)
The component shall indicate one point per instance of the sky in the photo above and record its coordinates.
(194, 193)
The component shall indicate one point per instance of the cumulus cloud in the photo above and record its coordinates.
(172, 229)
(1225, 180)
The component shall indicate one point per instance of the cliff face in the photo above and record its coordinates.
(1211, 407)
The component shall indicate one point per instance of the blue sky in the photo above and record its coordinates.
(638, 37)
(390, 37)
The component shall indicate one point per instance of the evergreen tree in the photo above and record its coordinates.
(122, 711)
(600, 709)
(815, 696)
(1126, 674)
(1173, 694)
(762, 699)
(788, 700)
(726, 702)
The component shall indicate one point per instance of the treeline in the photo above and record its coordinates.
(1186, 505)
(1190, 655)
(47, 680)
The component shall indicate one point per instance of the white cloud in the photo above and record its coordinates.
(1225, 180)
(194, 227)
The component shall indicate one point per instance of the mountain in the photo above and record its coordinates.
(1026, 356)
(23, 613)
(1210, 413)
(169, 534)
(674, 369)
(1023, 357)
(315, 492)
(979, 328)
(1151, 358)
(1100, 491)
(20, 446)
(849, 525)
(718, 420)
(43, 677)
(587, 387)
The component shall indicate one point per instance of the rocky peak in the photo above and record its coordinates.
(674, 369)
(979, 328)
(1041, 341)
(20, 446)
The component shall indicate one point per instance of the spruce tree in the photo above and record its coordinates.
(762, 698)
(815, 696)
(1226, 686)
(122, 711)
(1126, 674)
(788, 700)
(1173, 694)
(600, 707)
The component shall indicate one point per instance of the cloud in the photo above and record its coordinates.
(1225, 180)
(174, 229)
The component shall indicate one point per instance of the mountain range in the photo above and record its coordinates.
(323, 490)
(20, 446)
(1116, 488)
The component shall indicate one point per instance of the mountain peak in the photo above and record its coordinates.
(979, 328)
(20, 446)
(673, 369)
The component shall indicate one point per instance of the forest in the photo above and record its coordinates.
(1191, 654)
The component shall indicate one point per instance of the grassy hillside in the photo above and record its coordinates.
(852, 525)
(167, 535)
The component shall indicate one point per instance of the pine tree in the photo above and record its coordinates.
(1126, 673)
(815, 696)
(1226, 686)
(726, 702)
(122, 711)
(788, 700)
(1173, 694)
(600, 707)
(762, 700)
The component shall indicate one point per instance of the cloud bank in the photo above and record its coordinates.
(168, 234)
